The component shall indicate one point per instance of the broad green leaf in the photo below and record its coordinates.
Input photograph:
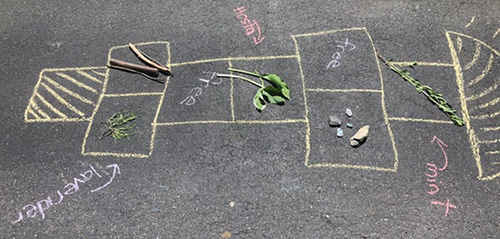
(277, 94)
(278, 83)
(272, 95)
(274, 79)
(286, 93)
(258, 100)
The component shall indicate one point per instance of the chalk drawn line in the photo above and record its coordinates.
(382, 99)
(47, 86)
(104, 95)
(473, 136)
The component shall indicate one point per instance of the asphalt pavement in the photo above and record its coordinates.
(202, 162)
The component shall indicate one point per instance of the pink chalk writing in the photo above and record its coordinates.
(197, 91)
(337, 56)
(441, 144)
(250, 26)
(448, 205)
(433, 174)
(32, 210)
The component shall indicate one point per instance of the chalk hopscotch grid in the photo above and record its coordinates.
(31, 109)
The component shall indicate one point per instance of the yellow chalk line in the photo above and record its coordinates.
(231, 92)
(494, 141)
(62, 100)
(308, 126)
(74, 81)
(490, 128)
(135, 94)
(68, 91)
(328, 32)
(420, 120)
(37, 108)
(101, 97)
(43, 71)
(488, 116)
(33, 113)
(160, 103)
(465, 111)
(67, 120)
(391, 135)
(98, 73)
(496, 33)
(476, 40)
(364, 167)
(421, 63)
(90, 77)
(490, 177)
(248, 58)
(490, 103)
(486, 70)
(343, 90)
(35, 90)
(459, 44)
(73, 69)
(477, 53)
(483, 93)
(123, 155)
(384, 109)
(96, 108)
(493, 152)
(287, 121)
(470, 22)
(50, 106)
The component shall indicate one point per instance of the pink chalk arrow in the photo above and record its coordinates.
(441, 144)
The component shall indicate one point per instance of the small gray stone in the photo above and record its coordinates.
(334, 121)
(349, 125)
(340, 132)
(348, 112)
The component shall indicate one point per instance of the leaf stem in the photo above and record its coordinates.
(242, 78)
(244, 72)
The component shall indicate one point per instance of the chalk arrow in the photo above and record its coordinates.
(116, 170)
(258, 40)
(441, 144)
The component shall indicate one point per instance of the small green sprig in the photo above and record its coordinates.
(276, 93)
(433, 96)
(118, 125)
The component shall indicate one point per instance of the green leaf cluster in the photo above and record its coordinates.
(119, 126)
(276, 93)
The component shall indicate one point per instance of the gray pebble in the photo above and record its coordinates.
(334, 121)
(348, 112)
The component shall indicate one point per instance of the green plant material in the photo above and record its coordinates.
(433, 96)
(405, 64)
(276, 93)
(118, 125)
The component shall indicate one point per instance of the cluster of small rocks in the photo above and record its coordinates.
(358, 138)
